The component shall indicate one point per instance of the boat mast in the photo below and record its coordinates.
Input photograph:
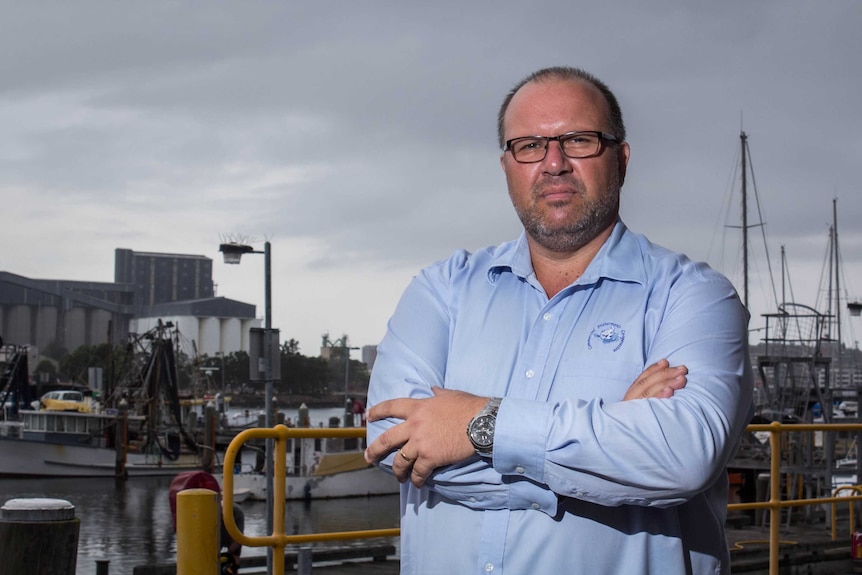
(743, 141)
(835, 263)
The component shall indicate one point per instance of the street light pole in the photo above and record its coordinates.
(267, 347)
(348, 412)
(232, 255)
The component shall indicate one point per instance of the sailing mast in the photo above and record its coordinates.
(743, 141)
(836, 271)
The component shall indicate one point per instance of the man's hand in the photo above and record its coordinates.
(434, 430)
(433, 434)
(658, 380)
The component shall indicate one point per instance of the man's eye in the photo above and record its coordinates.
(530, 145)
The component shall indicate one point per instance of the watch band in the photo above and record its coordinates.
(480, 430)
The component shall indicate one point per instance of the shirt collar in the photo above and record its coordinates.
(620, 258)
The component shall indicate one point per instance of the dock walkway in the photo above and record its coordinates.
(805, 549)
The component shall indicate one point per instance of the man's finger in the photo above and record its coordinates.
(653, 370)
(659, 380)
(400, 408)
(418, 477)
(386, 443)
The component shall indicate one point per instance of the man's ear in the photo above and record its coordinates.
(623, 161)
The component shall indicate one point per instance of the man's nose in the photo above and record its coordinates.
(556, 162)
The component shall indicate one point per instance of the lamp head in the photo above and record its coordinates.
(233, 252)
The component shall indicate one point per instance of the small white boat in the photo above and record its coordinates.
(845, 475)
(241, 494)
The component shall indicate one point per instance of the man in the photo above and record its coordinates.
(531, 347)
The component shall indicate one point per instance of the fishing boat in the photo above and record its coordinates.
(141, 434)
(803, 374)
(68, 444)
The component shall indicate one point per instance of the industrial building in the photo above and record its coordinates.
(147, 287)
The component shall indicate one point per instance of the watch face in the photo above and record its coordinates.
(482, 431)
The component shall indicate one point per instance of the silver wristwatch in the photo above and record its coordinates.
(480, 430)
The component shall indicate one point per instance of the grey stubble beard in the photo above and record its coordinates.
(571, 236)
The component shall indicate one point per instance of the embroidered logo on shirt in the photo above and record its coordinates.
(607, 334)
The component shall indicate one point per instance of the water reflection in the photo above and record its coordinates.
(130, 524)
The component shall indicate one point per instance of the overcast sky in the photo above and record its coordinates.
(359, 137)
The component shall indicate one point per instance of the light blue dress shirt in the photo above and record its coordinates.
(580, 482)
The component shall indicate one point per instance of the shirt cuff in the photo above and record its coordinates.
(520, 435)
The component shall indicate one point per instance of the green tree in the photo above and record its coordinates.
(301, 375)
(55, 351)
(46, 372)
(235, 366)
(114, 362)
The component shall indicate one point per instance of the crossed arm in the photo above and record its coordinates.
(433, 431)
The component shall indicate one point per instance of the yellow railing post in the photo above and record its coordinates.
(197, 532)
(855, 489)
(774, 496)
(775, 504)
(278, 540)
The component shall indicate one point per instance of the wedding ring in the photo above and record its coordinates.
(404, 457)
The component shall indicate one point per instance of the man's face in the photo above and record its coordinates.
(563, 203)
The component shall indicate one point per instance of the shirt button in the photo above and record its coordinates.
(520, 470)
(472, 500)
(536, 506)
(489, 567)
(546, 317)
(529, 373)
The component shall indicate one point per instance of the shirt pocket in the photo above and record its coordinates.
(605, 379)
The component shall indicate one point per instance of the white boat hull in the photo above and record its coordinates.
(358, 483)
(24, 458)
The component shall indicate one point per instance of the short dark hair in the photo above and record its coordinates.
(615, 114)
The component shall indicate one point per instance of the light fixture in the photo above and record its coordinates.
(233, 252)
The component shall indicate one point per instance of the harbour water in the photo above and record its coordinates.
(130, 523)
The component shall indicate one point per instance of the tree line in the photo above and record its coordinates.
(313, 377)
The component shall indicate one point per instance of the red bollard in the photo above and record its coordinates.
(856, 546)
(856, 551)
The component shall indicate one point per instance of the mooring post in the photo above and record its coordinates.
(303, 561)
(38, 536)
(197, 531)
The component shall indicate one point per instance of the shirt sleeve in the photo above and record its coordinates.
(651, 452)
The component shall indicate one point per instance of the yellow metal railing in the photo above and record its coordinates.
(775, 504)
(282, 434)
(278, 539)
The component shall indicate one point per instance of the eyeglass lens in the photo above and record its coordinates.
(535, 148)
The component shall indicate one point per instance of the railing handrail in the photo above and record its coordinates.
(278, 540)
(281, 434)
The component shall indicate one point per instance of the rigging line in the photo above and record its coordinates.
(762, 224)
(851, 333)
(789, 282)
(825, 277)
(723, 215)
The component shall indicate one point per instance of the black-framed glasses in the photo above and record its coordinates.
(584, 144)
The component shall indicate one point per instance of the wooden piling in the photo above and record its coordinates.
(39, 537)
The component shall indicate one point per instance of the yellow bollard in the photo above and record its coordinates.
(197, 532)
